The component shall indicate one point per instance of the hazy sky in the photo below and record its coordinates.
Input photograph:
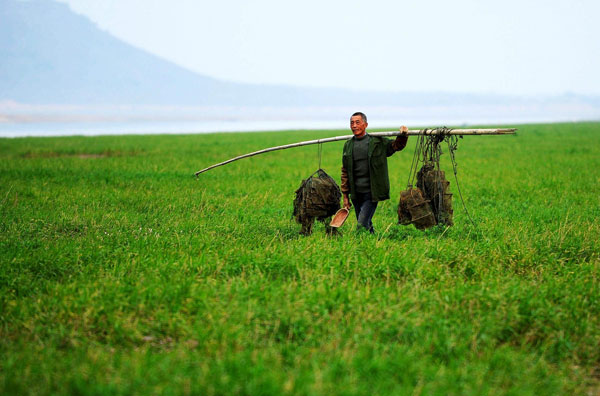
(510, 46)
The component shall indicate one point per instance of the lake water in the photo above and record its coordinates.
(210, 120)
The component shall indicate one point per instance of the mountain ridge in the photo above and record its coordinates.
(51, 55)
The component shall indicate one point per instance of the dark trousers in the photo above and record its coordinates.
(365, 209)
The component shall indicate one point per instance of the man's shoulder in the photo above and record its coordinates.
(378, 139)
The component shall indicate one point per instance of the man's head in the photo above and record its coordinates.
(358, 124)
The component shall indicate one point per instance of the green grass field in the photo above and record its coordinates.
(122, 274)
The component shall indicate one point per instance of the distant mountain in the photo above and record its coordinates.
(48, 54)
(51, 55)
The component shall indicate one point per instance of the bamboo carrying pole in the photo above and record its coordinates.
(412, 132)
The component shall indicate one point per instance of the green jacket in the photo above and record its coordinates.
(379, 149)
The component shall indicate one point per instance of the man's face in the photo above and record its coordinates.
(358, 126)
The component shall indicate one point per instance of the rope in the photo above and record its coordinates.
(437, 139)
(320, 152)
(452, 147)
(428, 152)
(412, 174)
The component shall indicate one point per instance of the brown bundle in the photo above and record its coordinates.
(437, 189)
(428, 204)
(415, 209)
(317, 198)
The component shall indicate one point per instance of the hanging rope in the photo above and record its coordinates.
(430, 181)
(452, 147)
(412, 174)
(320, 153)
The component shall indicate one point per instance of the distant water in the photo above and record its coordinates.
(153, 127)
(276, 119)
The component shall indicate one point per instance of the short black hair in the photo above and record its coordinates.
(361, 114)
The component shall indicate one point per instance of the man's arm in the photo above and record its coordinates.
(346, 188)
(400, 142)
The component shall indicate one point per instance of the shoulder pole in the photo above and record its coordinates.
(412, 132)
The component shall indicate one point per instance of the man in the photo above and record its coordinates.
(364, 169)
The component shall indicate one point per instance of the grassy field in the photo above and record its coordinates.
(120, 273)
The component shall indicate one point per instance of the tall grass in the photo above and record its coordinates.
(120, 273)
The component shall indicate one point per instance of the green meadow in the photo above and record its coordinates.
(123, 274)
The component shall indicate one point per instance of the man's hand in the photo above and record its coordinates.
(347, 203)
(404, 130)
